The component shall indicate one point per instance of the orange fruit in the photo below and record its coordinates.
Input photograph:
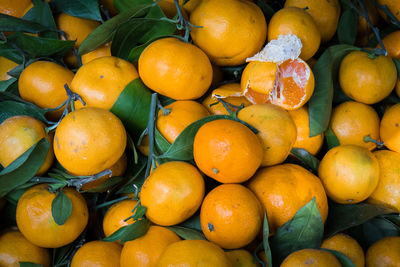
(116, 215)
(231, 216)
(387, 193)
(293, 186)
(147, 249)
(241, 258)
(42, 83)
(390, 128)
(365, 79)
(227, 151)
(352, 121)
(301, 118)
(364, 30)
(384, 253)
(97, 253)
(35, 221)
(393, 6)
(294, 20)
(311, 257)
(276, 131)
(89, 140)
(102, 51)
(172, 193)
(347, 246)
(391, 44)
(228, 35)
(183, 77)
(325, 14)
(349, 173)
(101, 81)
(14, 8)
(15, 248)
(18, 134)
(193, 253)
(181, 114)
(5, 66)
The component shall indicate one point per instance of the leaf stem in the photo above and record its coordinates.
(150, 127)
(108, 203)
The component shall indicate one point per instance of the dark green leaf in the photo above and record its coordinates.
(129, 232)
(11, 52)
(161, 144)
(139, 212)
(266, 9)
(88, 9)
(28, 264)
(193, 222)
(187, 233)
(123, 5)
(62, 256)
(267, 248)
(13, 24)
(395, 218)
(378, 228)
(347, 27)
(41, 13)
(12, 108)
(61, 208)
(343, 259)
(331, 138)
(397, 63)
(4, 85)
(309, 160)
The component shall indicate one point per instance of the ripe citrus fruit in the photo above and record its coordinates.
(116, 216)
(241, 258)
(101, 81)
(311, 257)
(178, 116)
(346, 245)
(293, 186)
(89, 140)
(35, 220)
(228, 35)
(146, 250)
(5, 66)
(393, 6)
(227, 151)
(102, 51)
(193, 253)
(384, 253)
(390, 128)
(365, 79)
(391, 44)
(276, 131)
(15, 248)
(231, 216)
(364, 30)
(349, 173)
(97, 253)
(351, 122)
(18, 134)
(14, 8)
(172, 193)
(175, 69)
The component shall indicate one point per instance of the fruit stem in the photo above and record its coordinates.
(393, 19)
(166, 111)
(74, 50)
(183, 23)
(379, 144)
(109, 203)
(150, 129)
(227, 106)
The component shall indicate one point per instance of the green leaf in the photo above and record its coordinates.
(123, 5)
(331, 139)
(309, 160)
(12, 53)
(347, 27)
(326, 72)
(41, 13)
(187, 233)
(4, 85)
(378, 228)
(161, 144)
(24, 167)
(139, 211)
(193, 222)
(13, 24)
(266, 9)
(28, 264)
(107, 184)
(343, 259)
(267, 248)
(305, 230)
(88, 9)
(12, 108)
(129, 232)
(397, 64)
(61, 208)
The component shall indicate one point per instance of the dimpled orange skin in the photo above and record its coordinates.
(311, 257)
(231, 216)
(241, 258)
(293, 20)
(172, 193)
(146, 250)
(18, 134)
(181, 78)
(276, 131)
(367, 80)
(101, 81)
(181, 114)
(5, 66)
(193, 253)
(346, 245)
(116, 215)
(352, 121)
(42, 83)
(301, 118)
(349, 173)
(384, 253)
(15, 248)
(89, 140)
(227, 151)
(97, 253)
(34, 217)
(14, 8)
(387, 193)
(286, 188)
(390, 128)
(102, 51)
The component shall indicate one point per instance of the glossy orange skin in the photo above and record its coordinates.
(18, 134)
(14, 248)
(89, 140)
(193, 253)
(241, 258)
(116, 215)
(351, 121)
(146, 250)
(42, 83)
(384, 253)
(172, 193)
(390, 128)
(311, 257)
(387, 193)
(34, 217)
(14, 8)
(97, 253)
(284, 189)
(182, 113)
(227, 151)
(231, 216)
(391, 43)
(294, 20)
(259, 77)
(102, 51)
(349, 173)
(183, 77)
(101, 81)
(346, 245)
(5, 66)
